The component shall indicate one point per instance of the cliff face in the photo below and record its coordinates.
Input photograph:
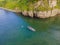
(35, 8)
(52, 3)
(45, 13)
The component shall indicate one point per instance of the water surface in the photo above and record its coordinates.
(13, 30)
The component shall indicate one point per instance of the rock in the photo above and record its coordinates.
(30, 13)
(37, 4)
(54, 12)
(17, 10)
(35, 13)
(40, 2)
(41, 14)
(25, 13)
(48, 13)
(52, 3)
(58, 11)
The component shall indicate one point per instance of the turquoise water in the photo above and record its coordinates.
(13, 30)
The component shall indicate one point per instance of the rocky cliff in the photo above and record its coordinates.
(45, 13)
(36, 8)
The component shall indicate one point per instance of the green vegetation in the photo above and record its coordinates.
(27, 4)
(58, 4)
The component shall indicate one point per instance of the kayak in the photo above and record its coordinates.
(30, 28)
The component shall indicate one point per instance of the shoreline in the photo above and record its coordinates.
(38, 14)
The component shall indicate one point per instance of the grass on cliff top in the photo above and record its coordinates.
(24, 5)
(58, 4)
(10, 5)
(41, 8)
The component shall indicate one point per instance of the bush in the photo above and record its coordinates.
(10, 5)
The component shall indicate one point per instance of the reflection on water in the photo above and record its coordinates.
(13, 30)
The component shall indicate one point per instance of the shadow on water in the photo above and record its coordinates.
(13, 30)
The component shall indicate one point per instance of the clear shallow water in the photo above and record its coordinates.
(13, 30)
